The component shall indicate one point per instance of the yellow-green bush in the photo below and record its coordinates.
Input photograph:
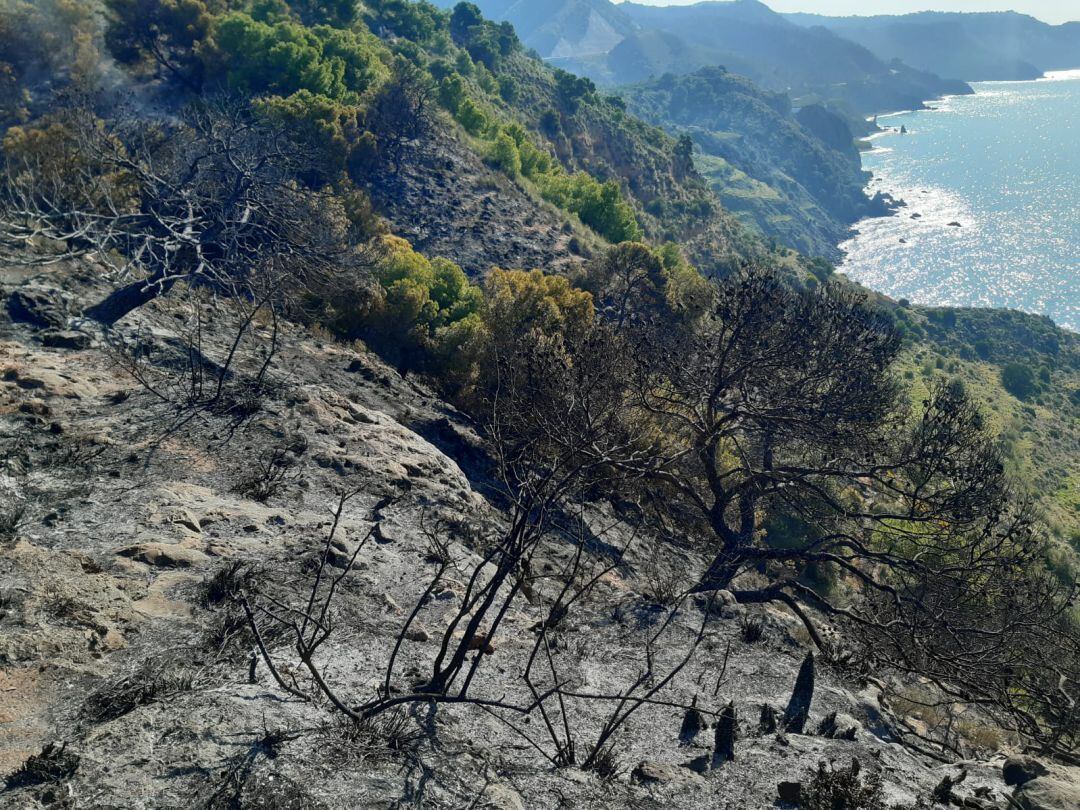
(519, 301)
(420, 304)
(505, 156)
(317, 120)
(601, 206)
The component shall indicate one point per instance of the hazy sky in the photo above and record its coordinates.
(1054, 11)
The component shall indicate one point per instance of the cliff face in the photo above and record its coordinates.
(795, 178)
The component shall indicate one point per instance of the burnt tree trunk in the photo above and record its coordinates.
(130, 297)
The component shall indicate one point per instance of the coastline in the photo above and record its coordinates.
(945, 215)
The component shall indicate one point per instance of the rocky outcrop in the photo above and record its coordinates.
(1048, 793)
(1020, 769)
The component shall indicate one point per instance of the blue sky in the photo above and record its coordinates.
(1054, 11)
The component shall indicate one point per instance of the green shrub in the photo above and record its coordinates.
(599, 205)
(519, 302)
(471, 117)
(420, 23)
(452, 92)
(285, 57)
(505, 156)
(422, 303)
(319, 120)
(1019, 380)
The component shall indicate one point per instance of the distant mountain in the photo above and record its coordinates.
(560, 28)
(812, 64)
(797, 178)
(628, 43)
(973, 47)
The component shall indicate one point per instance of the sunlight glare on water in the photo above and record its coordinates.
(1005, 165)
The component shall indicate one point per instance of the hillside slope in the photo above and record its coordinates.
(333, 518)
(118, 636)
(795, 178)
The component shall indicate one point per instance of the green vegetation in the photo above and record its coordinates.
(797, 179)
(599, 205)
(285, 57)
(1019, 380)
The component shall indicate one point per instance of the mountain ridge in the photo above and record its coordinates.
(973, 46)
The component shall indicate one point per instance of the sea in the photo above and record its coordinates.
(991, 183)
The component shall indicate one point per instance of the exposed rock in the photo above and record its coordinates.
(500, 796)
(839, 726)
(338, 555)
(1049, 793)
(57, 609)
(1021, 769)
(480, 642)
(654, 773)
(164, 555)
(418, 634)
(66, 339)
(74, 617)
(38, 305)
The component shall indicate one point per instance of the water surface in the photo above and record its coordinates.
(992, 183)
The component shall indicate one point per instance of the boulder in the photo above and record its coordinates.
(1048, 793)
(38, 306)
(1020, 769)
(66, 339)
(654, 773)
(502, 797)
(164, 555)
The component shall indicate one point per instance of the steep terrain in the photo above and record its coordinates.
(557, 29)
(168, 554)
(795, 178)
(989, 46)
(118, 644)
(746, 37)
